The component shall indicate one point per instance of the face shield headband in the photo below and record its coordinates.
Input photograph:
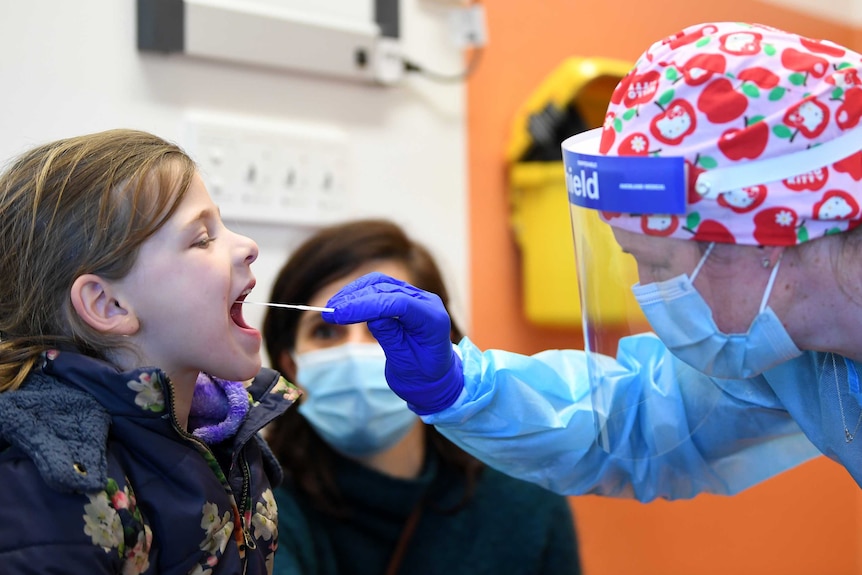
(649, 185)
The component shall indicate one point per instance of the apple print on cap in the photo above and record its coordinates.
(744, 199)
(635, 144)
(700, 68)
(712, 231)
(805, 62)
(674, 123)
(811, 181)
(836, 204)
(851, 165)
(688, 36)
(809, 117)
(721, 102)
(741, 43)
(721, 94)
(776, 226)
(748, 141)
(659, 225)
(850, 110)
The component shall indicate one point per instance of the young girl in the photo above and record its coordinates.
(371, 488)
(128, 440)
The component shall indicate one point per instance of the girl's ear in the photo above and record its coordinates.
(96, 303)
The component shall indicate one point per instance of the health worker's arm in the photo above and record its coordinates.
(652, 428)
(673, 432)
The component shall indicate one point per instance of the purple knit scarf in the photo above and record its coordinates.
(218, 408)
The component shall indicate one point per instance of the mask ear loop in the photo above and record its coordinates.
(702, 261)
(770, 283)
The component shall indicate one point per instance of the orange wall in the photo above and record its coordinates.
(802, 522)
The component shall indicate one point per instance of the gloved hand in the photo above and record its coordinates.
(413, 328)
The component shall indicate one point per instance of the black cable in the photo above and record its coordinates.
(472, 64)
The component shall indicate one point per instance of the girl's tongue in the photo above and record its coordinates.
(236, 315)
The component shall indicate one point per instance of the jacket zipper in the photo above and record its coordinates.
(246, 486)
(169, 387)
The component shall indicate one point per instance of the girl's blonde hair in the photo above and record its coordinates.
(71, 207)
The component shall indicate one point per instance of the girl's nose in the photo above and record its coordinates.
(253, 253)
(249, 248)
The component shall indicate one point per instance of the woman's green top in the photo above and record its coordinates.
(508, 527)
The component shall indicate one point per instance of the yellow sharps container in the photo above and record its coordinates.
(572, 99)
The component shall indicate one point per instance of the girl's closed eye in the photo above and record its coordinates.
(204, 242)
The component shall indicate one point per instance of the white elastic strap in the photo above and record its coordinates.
(770, 283)
(702, 261)
(711, 183)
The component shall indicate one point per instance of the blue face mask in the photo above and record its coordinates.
(348, 401)
(684, 322)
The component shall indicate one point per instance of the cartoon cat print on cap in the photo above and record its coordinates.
(722, 93)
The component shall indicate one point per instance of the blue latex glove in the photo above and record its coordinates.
(413, 328)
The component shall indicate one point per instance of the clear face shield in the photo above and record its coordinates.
(630, 269)
(606, 273)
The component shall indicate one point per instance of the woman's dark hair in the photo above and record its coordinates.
(328, 255)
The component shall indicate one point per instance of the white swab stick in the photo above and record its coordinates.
(298, 306)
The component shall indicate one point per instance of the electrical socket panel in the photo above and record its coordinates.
(270, 172)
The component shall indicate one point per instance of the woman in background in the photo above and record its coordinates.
(370, 488)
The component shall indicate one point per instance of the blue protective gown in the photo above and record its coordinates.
(675, 432)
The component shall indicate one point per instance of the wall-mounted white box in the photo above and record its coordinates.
(271, 34)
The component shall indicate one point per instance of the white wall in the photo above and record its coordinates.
(842, 11)
(71, 67)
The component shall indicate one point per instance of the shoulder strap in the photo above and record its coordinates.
(404, 540)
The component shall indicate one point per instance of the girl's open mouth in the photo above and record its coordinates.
(236, 310)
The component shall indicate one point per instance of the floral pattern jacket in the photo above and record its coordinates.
(97, 478)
